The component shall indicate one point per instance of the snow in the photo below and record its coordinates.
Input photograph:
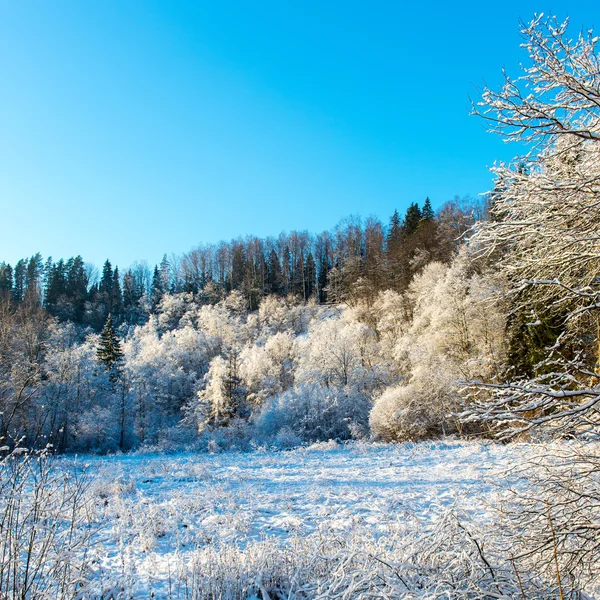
(158, 510)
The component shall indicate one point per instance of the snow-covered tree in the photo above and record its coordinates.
(456, 332)
(543, 233)
(545, 221)
(268, 369)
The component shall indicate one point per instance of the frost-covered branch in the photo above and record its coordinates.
(558, 94)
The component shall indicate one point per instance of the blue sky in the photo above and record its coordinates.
(130, 129)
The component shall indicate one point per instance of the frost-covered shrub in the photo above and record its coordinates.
(287, 438)
(238, 435)
(45, 527)
(399, 414)
(315, 413)
(413, 412)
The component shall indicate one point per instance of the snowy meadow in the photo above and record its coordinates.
(360, 520)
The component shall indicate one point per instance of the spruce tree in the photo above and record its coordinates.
(427, 213)
(412, 218)
(109, 351)
(116, 297)
(19, 280)
(394, 229)
(310, 274)
(77, 285)
(158, 290)
(323, 277)
(274, 284)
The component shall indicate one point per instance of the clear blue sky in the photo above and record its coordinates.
(130, 129)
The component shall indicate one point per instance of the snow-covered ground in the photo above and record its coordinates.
(174, 525)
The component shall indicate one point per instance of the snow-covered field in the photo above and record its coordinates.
(173, 519)
(328, 521)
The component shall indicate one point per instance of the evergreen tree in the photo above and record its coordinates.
(394, 235)
(47, 277)
(233, 387)
(116, 299)
(427, 213)
(56, 285)
(132, 294)
(238, 266)
(106, 282)
(6, 279)
(323, 278)
(77, 287)
(33, 279)
(298, 276)
(286, 270)
(412, 218)
(19, 282)
(310, 274)
(109, 351)
(274, 283)
(158, 291)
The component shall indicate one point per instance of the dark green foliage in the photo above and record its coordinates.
(133, 292)
(109, 352)
(274, 276)
(310, 274)
(116, 296)
(233, 388)
(157, 288)
(286, 270)
(106, 283)
(6, 279)
(427, 213)
(394, 235)
(19, 283)
(529, 337)
(238, 266)
(322, 278)
(368, 258)
(412, 219)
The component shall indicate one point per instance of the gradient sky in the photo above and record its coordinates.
(136, 128)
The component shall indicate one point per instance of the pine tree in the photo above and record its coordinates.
(310, 274)
(427, 213)
(56, 286)
(33, 279)
(77, 286)
(274, 283)
(106, 282)
(412, 218)
(6, 279)
(394, 235)
(132, 294)
(19, 280)
(323, 277)
(238, 266)
(286, 270)
(116, 299)
(157, 288)
(109, 351)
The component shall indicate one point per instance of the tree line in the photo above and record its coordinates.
(356, 259)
